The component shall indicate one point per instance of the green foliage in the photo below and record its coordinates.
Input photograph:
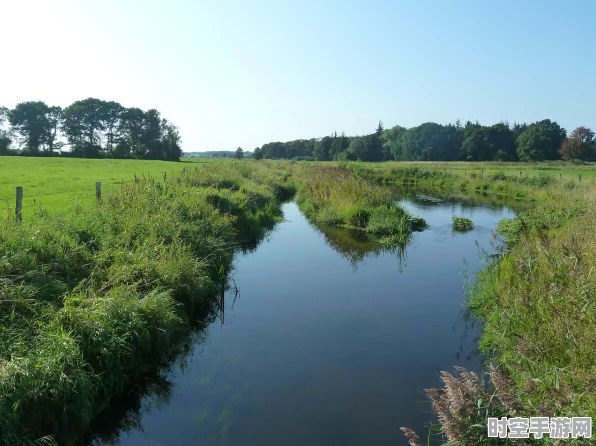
(541, 141)
(348, 196)
(462, 224)
(257, 154)
(94, 129)
(536, 311)
(94, 296)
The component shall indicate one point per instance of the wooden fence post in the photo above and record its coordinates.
(98, 191)
(520, 173)
(560, 176)
(465, 170)
(580, 178)
(482, 174)
(19, 206)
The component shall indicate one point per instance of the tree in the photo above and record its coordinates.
(84, 121)
(130, 134)
(112, 113)
(579, 145)
(170, 142)
(55, 116)
(257, 154)
(428, 142)
(239, 153)
(389, 142)
(494, 143)
(380, 129)
(540, 141)
(322, 151)
(30, 121)
(5, 135)
(152, 133)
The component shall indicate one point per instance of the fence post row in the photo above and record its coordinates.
(19, 206)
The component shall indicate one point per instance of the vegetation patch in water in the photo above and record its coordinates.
(462, 224)
(347, 197)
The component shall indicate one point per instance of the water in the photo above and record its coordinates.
(330, 340)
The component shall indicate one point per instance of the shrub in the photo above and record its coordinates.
(462, 224)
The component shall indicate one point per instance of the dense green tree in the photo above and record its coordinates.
(131, 130)
(390, 140)
(541, 141)
(494, 143)
(239, 153)
(152, 133)
(257, 153)
(322, 151)
(170, 142)
(429, 141)
(84, 123)
(339, 145)
(518, 129)
(112, 114)
(30, 121)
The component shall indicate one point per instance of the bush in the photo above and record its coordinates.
(462, 224)
(498, 176)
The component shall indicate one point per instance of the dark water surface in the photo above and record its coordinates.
(330, 341)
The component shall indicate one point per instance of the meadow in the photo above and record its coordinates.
(54, 183)
(93, 295)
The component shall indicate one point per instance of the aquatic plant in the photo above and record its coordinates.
(462, 224)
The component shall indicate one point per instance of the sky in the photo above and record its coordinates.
(243, 73)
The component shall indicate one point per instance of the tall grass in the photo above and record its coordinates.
(93, 297)
(349, 197)
(536, 301)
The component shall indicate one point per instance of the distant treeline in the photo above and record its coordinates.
(542, 140)
(214, 154)
(90, 128)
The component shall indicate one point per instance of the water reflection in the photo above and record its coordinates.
(356, 246)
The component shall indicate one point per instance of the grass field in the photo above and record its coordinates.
(565, 169)
(55, 182)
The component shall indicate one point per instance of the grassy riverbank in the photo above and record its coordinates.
(536, 303)
(94, 296)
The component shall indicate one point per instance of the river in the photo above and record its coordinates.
(327, 339)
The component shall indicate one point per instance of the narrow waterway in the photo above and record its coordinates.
(330, 340)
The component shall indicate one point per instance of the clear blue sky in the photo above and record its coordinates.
(243, 73)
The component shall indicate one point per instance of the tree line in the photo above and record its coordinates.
(90, 128)
(538, 141)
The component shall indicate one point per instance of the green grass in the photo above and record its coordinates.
(95, 295)
(538, 308)
(55, 182)
(348, 197)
